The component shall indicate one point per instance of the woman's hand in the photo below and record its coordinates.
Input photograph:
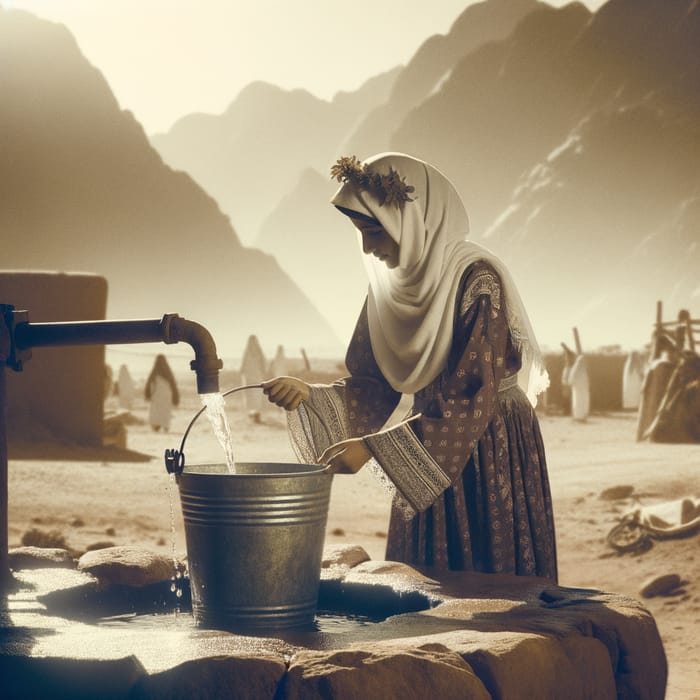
(287, 392)
(345, 457)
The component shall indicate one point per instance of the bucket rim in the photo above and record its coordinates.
(296, 469)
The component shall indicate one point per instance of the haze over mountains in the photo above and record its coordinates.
(572, 136)
(83, 190)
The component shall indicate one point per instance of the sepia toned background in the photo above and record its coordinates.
(181, 152)
(571, 132)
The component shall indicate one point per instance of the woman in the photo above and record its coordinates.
(161, 391)
(444, 322)
(125, 388)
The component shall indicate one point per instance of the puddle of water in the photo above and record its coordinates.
(325, 622)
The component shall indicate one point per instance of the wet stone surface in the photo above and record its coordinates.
(383, 630)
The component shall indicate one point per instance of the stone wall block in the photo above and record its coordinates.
(429, 671)
(239, 677)
(25, 677)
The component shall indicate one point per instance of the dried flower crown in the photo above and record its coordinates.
(389, 189)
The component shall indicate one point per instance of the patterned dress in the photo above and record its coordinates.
(469, 473)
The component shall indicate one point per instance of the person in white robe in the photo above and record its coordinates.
(162, 393)
(125, 388)
(580, 384)
(632, 378)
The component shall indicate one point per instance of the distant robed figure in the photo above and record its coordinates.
(162, 392)
(443, 322)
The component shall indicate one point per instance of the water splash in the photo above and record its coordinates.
(176, 578)
(215, 408)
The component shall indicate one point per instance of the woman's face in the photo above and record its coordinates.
(376, 241)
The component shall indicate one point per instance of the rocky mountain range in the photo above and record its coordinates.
(252, 155)
(573, 137)
(82, 189)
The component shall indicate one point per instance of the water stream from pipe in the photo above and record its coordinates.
(215, 408)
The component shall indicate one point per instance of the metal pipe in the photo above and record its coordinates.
(34, 335)
(206, 364)
(169, 329)
(6, 579)
(18, 336)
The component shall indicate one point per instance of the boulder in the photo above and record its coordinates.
(240, 677)
(40, 557)
(430, 671)
(345, 555)
(127, 566)
(660, 585)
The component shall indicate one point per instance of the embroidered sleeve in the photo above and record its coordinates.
(319, 422)
(408, 465)
(347, 408)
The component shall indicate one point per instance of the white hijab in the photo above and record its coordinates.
(411, 308)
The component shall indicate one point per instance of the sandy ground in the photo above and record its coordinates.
(90, 496)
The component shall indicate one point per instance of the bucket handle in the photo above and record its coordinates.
(175, 459)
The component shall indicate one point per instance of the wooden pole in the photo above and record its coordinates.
(577, 340)
(307, 364)
(4, 501)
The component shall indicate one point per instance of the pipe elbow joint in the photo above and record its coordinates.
(206, 364)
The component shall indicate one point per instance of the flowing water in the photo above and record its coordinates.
(176, 578)
(215, 408)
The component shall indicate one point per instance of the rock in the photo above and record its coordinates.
(35, 537)
(127, 566)
(27, 677)
(396, 571)
(537, 666)
(660, 585)
(40, 557)
(616, 493)
(431, 671)
(100, 544)
(240, 677)
(348, 555)
(114, 432)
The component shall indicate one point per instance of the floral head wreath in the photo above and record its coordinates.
(389, 188)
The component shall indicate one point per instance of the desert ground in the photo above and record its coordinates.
(87, 496)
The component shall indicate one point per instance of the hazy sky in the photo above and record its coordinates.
(164, 59)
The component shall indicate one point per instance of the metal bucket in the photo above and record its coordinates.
(254, 540)
(254, 543)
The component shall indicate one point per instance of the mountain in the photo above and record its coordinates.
(502, 108)
(603, 223)
(609, 223)
(252, 155)
(571, 135)
(574, 141)
(319, 248)
(81, 188)
(433, 62)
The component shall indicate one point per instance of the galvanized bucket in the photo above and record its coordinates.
(254, 542)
